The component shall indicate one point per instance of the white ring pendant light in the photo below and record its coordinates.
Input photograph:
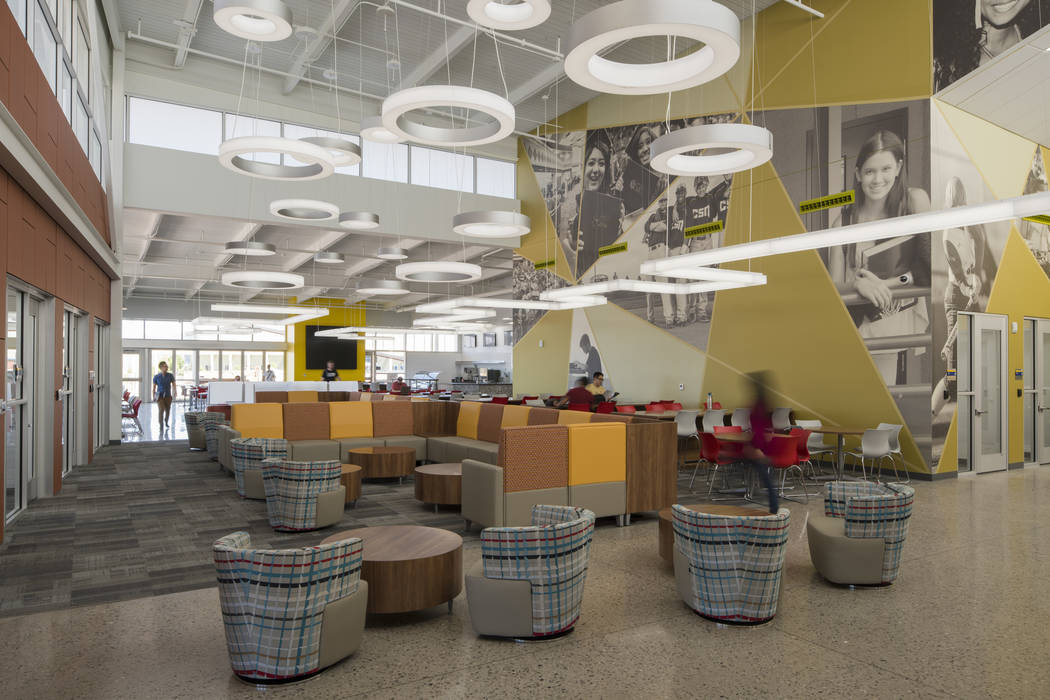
(303, 210)
(342, 152)
(251, 248)
(256, 20)
(327, 257)
(382, 287)
(438, 271)
(260, 279)
(523, 14)
(397, 120)
(359, 220)
(491, 224)
(317, 161)
(723, 149)
(372, 129)
(391, 253)
(705, 21)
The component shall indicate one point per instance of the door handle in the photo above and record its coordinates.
(978, 412)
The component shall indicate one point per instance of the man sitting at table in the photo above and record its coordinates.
(596, 387)
(577, 394)
(398, 386)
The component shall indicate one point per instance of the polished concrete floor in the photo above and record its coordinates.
(967, 618)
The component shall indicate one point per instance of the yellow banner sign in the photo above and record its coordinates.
(1039, 219)
(830, 202)
(703, 229)
(544, 264)
(612, 249)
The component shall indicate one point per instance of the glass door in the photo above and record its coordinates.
(253, 365)
(275, 364)
(983, 435)
(185, 371)
(101, 388)
(1042, 390)
(65, 393)
(22, 315)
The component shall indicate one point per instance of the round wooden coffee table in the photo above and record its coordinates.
(351, 479)
(440, 484)
(408, 567)
(666, 532)
(383, 462)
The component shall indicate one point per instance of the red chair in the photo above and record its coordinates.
(674, 407)
(133, 413)
(655, 408)
(715, 454)
(625, 409)
(728, 429)
(125, 396)
(580, 407)
(803, 449)
(606, 407)
(501, 399)
(783, 454)
(716, 405)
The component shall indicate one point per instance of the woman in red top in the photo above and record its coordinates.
(761, 436)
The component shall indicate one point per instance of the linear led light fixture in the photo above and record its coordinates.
(459, 317)
(956, 217)
(453, 305)
(713, 283)
(296, 314)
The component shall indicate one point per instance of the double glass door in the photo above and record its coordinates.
(23, 324)
(982, 424)
(71, 324)
(1037, 390)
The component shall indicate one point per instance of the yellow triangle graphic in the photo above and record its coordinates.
(541, 243)
(796, 326)
(1003, 158)
(544, 369)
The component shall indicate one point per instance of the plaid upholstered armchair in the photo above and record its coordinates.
(195, 429)
(211, 422)
(303, 495)
(248, 455)
(529, 583)
(727, 568)
(289, 613)
(859, 538)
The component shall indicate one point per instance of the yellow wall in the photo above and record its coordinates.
(338, 315)
(544, 370)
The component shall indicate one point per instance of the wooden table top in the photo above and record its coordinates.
(350, 468)
(401, 542)
(717, 509)
(734, 437)
(446, 469)
(382, 450)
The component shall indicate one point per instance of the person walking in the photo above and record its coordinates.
(269, 375)
(761, 435)
(163, 389)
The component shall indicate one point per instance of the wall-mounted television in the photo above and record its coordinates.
(320, 349)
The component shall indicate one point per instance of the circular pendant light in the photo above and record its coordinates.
(359, 220)
(259, 279)
(392, 254)
(342, 152)
(705, 21)
(328, 258)
(438, 271)
(372, 129)
(491, 224)
(524, 14)
(382, 287)
(257, 20)
(303, 210)
(317, 160)
(251, 248)
(396, 117)
(723, 149)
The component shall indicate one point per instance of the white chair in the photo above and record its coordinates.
(535, 402)
(895, 449)
(815, 444)
(686, 423)
(742, 417)
(874, 447)
(781, 418)
(713, 417)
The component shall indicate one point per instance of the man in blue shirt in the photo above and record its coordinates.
(163, 388)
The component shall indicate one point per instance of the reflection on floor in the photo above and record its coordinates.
(151, 429)
(974, 569)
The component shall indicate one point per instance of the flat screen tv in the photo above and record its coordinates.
(319, 350)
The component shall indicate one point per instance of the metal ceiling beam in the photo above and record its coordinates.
(153, 229)
(187, 29)
(329, 238)
(313, 50)
(536, 84)
(439, 57)
(247, 231)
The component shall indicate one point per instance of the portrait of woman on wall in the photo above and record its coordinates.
(638, 184)
(970, 33)
(599, 220)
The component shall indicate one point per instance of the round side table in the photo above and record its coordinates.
(439, 484)
(383, 462)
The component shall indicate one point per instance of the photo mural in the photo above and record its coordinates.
(970, 33)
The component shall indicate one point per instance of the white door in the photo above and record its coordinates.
(1042, 391)
(983, 436)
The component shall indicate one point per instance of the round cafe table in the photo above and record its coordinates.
(408, 567)
(351, 479)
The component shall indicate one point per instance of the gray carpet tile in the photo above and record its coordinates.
(140, 522)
